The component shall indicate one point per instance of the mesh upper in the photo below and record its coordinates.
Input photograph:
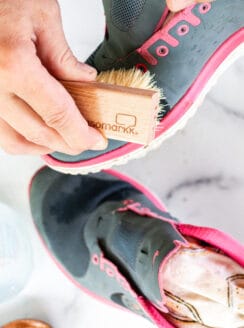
(124, 13)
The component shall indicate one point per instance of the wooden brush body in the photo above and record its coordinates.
(123, 105)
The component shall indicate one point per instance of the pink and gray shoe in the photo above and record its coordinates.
(187, 52)
(112, 237)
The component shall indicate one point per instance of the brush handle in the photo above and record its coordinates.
(120, 113)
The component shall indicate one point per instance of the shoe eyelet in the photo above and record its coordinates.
(205, 7)
(95, 259)
(162, 51)
(183, 29)
(142, 67)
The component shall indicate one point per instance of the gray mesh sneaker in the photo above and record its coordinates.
(186, 52)
(112, 237)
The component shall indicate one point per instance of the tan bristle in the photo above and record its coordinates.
(133, 78)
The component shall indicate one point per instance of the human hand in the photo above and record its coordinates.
(37, 115)
(176, 5)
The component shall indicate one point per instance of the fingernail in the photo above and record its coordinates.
(100, 145)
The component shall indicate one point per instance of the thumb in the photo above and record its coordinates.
(56, 55)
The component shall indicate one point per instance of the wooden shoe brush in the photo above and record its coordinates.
(122, 104)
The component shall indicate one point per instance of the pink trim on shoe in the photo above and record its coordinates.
(162, 19)
(216, 238)
(178, 246)
(158, 318)
(208, 70)
(175, 114)
(149, 309)
(164, 35)
(36, 173)
(150, 195)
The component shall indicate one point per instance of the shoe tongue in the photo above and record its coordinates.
(131, 22)
(138, 244)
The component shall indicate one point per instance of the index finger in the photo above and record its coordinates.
(55, 106)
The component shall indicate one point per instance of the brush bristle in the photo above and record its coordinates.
(133, 78)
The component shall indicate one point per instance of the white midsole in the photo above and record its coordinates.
(179, 125)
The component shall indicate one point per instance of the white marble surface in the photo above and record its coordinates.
(199, 173)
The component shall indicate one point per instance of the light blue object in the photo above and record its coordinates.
(15, 254)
